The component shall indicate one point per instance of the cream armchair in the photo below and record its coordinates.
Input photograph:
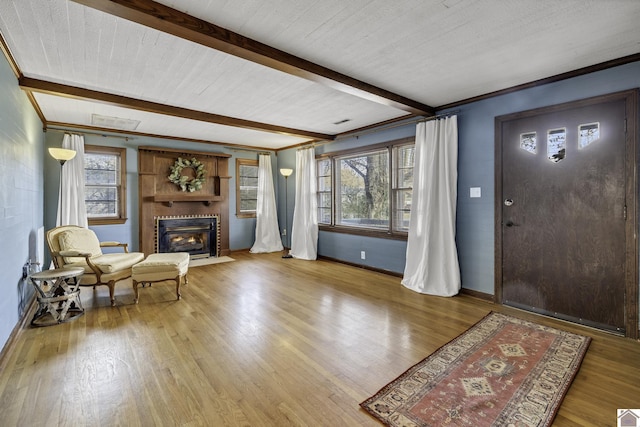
(73, 246)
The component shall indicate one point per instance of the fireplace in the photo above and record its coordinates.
(199, 236)
(159, 198)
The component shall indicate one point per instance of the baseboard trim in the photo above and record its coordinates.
(22, 323)
(366, 267)
(470, 292)
(477, 294)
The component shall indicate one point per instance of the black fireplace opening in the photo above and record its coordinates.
(198, 236)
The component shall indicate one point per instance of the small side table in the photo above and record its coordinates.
(58, 294)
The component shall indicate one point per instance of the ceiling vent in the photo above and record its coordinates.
(114, 122)
(339, 122)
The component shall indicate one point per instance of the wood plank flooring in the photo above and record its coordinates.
(264, 341)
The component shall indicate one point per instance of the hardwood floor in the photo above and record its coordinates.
(264, 341)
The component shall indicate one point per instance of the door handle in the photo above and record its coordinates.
(511, 224)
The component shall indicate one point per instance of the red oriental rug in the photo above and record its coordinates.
(503, 371)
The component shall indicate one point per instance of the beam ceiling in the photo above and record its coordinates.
(179, 24)
(34, 85)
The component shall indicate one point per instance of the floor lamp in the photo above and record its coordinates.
(61, 155)
(286, 173)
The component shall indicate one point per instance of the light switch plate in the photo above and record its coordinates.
(475, 192)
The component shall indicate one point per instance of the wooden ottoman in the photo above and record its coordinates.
(159, 268)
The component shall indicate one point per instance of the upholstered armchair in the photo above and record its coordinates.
(73, 246)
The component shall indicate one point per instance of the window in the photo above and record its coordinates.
(324, 191)
(105, 184)
(367, 191)
(246, 188)
(403, 156)
(362, 190)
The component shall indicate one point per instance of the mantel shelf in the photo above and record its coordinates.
(207, 199)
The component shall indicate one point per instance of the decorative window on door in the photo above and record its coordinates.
(556, 144)
(528, 142)
(588, 133)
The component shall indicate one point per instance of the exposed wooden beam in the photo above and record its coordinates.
(179, 24)
(34, 85)
(130, 134)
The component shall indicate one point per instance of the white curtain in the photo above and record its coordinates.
(304, 231)
(432, 258)
(267, 231)
(71, 201)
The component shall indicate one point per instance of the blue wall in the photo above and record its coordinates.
(382, 254)
(475, 217)
(21, 153)
(476, 141)
(286, 159)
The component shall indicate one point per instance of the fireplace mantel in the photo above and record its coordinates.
(159, 197)
(207, 199)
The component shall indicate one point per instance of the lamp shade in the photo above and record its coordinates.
(286, 172)
(62, 154)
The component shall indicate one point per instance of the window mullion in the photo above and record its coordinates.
(333, 191)
(392, 185)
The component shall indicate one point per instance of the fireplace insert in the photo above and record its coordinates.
(196, 235)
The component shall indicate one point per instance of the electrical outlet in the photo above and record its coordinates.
(284, 231)
(363, 255)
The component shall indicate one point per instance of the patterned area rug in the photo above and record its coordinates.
(503, 371)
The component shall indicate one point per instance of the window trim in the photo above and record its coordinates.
(389, 233)
(331, 189)
(243, 162)
(395, 185)
(121, 152)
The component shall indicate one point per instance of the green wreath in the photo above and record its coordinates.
(185, 182)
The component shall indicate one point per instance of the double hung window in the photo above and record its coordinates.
(403, 157)
(367, 191)
(246, 188)
(105, 189)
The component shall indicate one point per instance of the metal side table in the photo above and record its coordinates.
(58, 295)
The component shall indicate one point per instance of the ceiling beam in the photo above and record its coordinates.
(179, 24)
(34, 85)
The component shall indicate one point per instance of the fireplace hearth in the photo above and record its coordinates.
(199, 236)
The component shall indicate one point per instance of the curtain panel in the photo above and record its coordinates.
(267, 231)
(71, 196)
(432, 257)
(304, 231)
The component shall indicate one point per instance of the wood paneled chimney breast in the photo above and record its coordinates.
(159, 197)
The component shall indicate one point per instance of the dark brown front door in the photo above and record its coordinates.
(563, 211)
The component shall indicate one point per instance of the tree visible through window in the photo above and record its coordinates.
(363, 182)
(403, 156)
(367, 190)
(104, 189)
(324, 191)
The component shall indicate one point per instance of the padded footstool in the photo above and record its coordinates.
(161, 267)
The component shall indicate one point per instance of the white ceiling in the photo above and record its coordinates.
(422, 52)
